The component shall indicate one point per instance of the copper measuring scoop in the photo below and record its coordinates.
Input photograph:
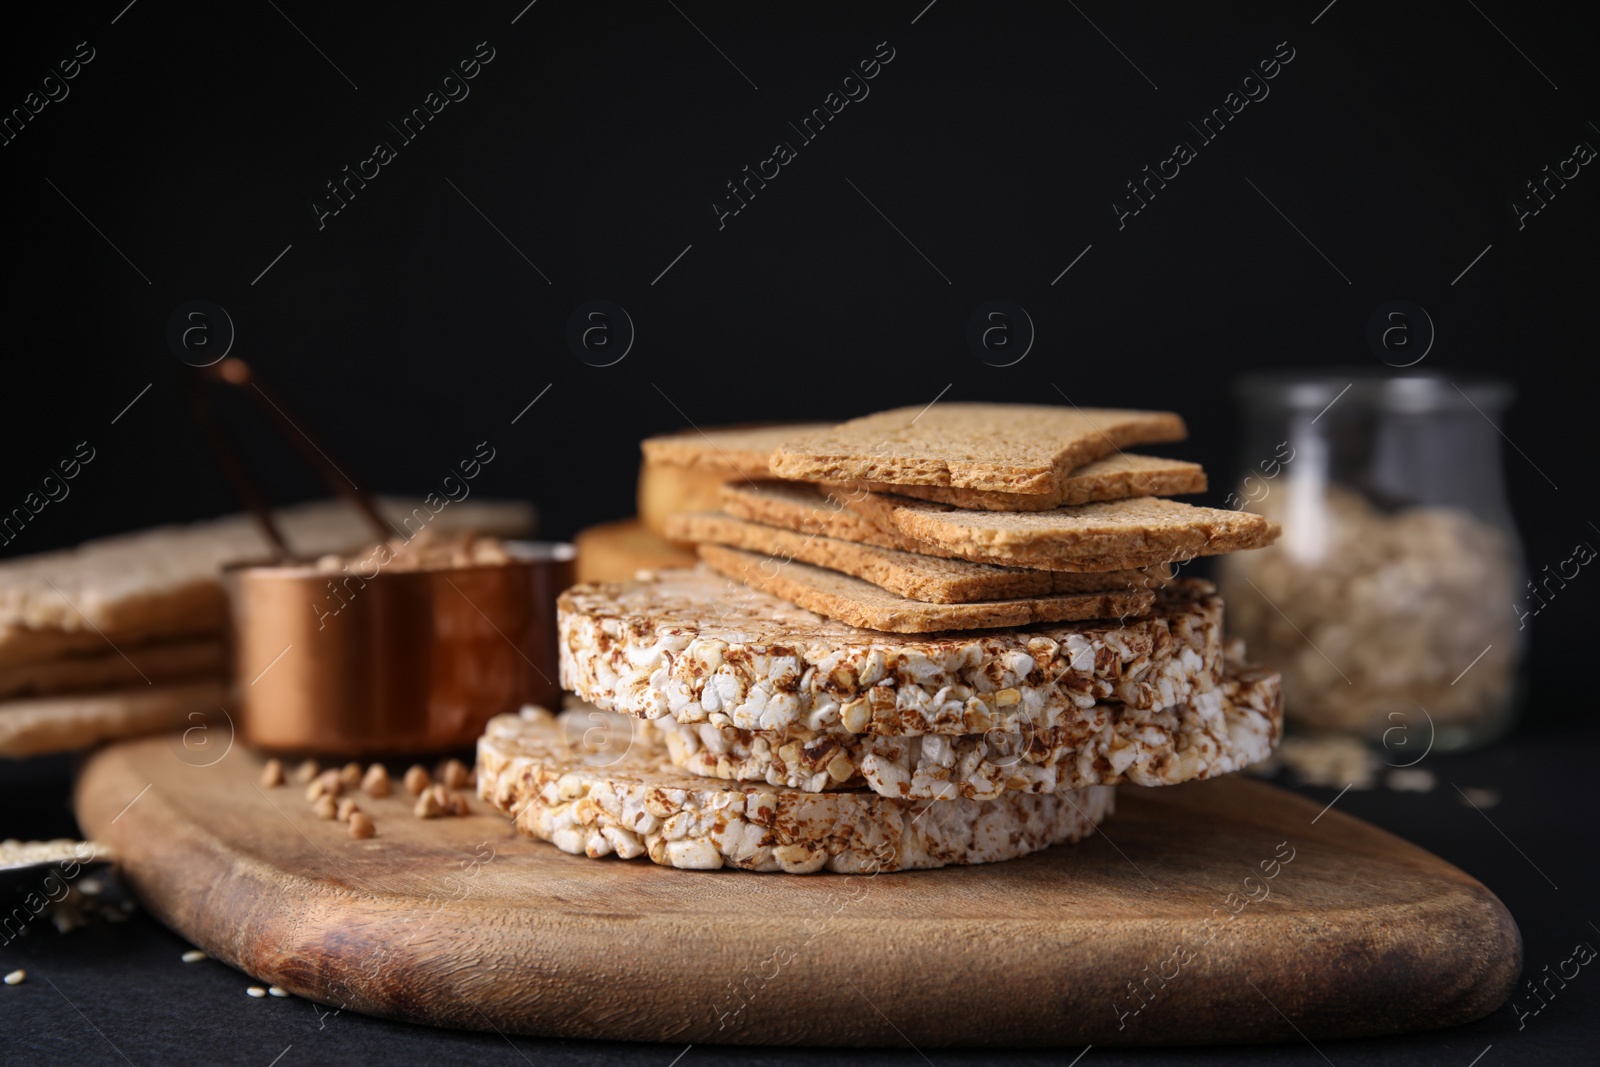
(369, 660)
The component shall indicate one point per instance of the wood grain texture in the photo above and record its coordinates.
(1361, 933)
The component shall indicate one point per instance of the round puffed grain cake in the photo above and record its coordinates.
(701, 648)
(560, 783)
(1215, 732)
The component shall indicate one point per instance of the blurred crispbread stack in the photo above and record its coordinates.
(123, 635)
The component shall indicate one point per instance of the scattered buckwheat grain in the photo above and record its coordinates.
(376, 781)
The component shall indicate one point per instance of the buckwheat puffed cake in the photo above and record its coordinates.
(910, 574)
(701, 648)
(1214, 732)
(1011, 448)
(599, 802)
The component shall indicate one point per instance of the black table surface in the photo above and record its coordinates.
(119, 993)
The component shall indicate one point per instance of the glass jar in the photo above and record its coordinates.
(1391, 590)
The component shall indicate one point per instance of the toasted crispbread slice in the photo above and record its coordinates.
(1113, 478)
(860, 603)
(1125, 532)
(1116, 535)
(1008, 448)
(926, 578)
(1212, 733)
(663, 491)
(600, 801)
(811, 509)
(63, 723)
(734, 451)
(702, 648)
(115, 668)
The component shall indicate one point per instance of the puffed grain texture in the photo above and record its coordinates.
(638, 804)
(702, 648)
(1215, 732)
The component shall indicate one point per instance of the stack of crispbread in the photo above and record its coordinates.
(123, 635)
(955, 516)
(920, 638)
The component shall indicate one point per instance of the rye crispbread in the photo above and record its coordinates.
(734, 451)
(861, 603)
(1115, 535)
(63, 723)
(664, 491)
(1113, 478)
(810, 509)
(910, 574)
(115, 668)
(1009, 448)
(597, 801)
(1214, 732)
(702, 648)
(1128, 533)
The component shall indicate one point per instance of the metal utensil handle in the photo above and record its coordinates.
(237, 373)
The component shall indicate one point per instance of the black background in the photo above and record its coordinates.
(408, 329)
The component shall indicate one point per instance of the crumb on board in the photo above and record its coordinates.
(375, 783)
(272, 773)
(1333, 760)
(417, 779)
(1410, 780)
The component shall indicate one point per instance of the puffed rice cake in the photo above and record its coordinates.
(702, 648)
(597, 801)
(1215, 732)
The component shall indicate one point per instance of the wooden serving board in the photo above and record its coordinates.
(1131, 937)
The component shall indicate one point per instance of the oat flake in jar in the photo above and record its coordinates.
(1388, 602)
